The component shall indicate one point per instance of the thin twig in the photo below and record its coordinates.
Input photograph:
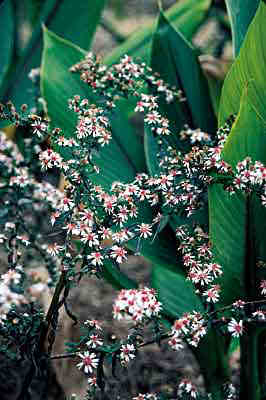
(73, 354)
(64, 355)
(263, 302)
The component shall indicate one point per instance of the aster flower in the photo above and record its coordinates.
(212, 294)
(127, 353)
(90, 237)
(92, 381)
(96, 258)
(176, 343)
(11, 276)
(93, 324)
(54, 249)
(186, 386)
(136, 304)
(235, 327)
(259, 315)
(94, 341)
(145, 230)
(118, 253)
(263, 287)
(39, 127)
(89, 361)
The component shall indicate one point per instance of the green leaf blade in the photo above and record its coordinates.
(7, 29)
(117, 278)
(183, 71)
(123, 157)
(77, 23)
(177, 63)
(247, 70)
(237, 222)
(175, 292)
(240, 13)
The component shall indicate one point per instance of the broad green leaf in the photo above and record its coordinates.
(249, 69)
(240, 13)
(238, 222)
(215, 89)
(176, 60)
(174, 291)
(177, 63)
(185, 16)
(120, 160)
(7, 38)
(151, 149)
(76, 22)
(117, 278)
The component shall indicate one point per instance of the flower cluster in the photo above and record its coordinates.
(127, 353)
(190, 327)
(8, 296)
(195, 136)
(187, 390)
(136, 305)
(251, 177)
(231, 393)
(93, 341)
(50, 159)
(198, 259)
(92, 127)
(23, 197)
(123, 78)
(147, 396)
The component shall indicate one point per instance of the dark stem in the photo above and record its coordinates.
(249, 342)
(52, 309)
(249, 375)
(73, 354)
(218, 374)
(64, 355)
(262, 357)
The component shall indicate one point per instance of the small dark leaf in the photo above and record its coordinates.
(3, 212)
(114, 364)
(100, 373)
